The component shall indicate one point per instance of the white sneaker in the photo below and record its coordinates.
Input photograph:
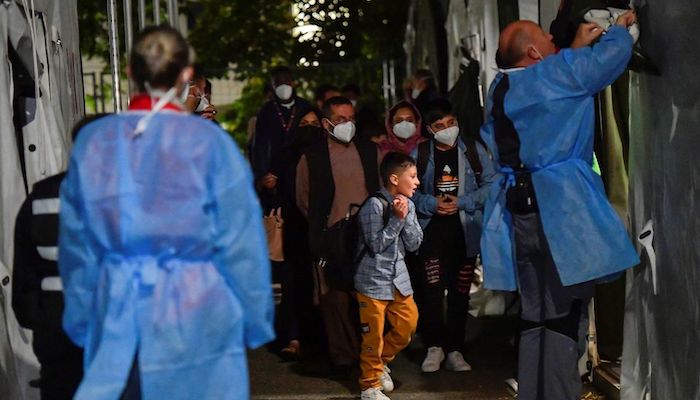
(512, 385)
(387, 382)
(433, 360)
(455, 362)
(373, 394)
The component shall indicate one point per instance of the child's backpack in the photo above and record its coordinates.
(345, 251)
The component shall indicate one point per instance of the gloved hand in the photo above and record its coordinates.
(607, 17)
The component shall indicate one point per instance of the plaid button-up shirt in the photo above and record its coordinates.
(382, 268)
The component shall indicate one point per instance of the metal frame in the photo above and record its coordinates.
(113, 30)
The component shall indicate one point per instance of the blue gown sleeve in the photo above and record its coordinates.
(77, 259)
(240, 245)
(599, 66)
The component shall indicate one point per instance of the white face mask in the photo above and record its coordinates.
(415, 93)
(203, 104)
(284, 92)
(447, 136)
(404, 129)
(343, 132)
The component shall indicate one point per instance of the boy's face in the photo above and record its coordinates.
(406, 181)
(445, 122)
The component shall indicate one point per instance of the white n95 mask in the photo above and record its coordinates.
(447, 136)
(203, 104)
(284, 92)
(344, 132)
(404, 129)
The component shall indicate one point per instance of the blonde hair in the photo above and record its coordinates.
(158, 57)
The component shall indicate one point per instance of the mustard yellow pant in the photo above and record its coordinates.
(379, 348)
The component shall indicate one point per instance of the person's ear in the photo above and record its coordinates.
(533, 53)
(326, 124)
(394, 179)
(186, 74)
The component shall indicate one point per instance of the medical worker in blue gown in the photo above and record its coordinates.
(162, 252)
(549, 230)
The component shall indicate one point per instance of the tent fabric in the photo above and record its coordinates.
(457, 34)
(420, 43)
(662, 329)
(61, 104)
(482, 20)
(17, 361)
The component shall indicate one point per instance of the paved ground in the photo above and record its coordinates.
(488, 351)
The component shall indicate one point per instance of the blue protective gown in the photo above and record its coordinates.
(551, 106)
(163, 254)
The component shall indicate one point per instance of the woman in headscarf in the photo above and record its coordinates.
(403, 127)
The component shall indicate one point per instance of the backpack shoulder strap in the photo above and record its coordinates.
(472, 154)
(385, 207)
(423, 157)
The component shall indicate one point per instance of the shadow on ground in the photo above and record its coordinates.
(488, 350)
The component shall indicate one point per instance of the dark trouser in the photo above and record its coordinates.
(553, 319)
(444, 266)
(286, 322)
(132, 389)
(341, 320)
(60, 379)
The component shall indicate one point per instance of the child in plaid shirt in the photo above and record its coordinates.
(383, 286)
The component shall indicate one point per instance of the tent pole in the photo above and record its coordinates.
(142, 14)
(128, 36)
(156, 12)
(114, 53)
(172, 13)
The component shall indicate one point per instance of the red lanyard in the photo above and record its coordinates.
(286, 125)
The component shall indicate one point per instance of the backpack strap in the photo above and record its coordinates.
(472, 154)
(423, 157)
(386, 215)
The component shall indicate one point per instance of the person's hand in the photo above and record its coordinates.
(193, 96)
(452, 201)
(269, 181)
(586, 34)
(209, 112)
(627, 19)
(400, 206)
(446, 206)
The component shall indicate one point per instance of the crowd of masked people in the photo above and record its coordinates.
(145, 271)
(319, 162)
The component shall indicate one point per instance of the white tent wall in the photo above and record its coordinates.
(56, 46)
(662, 326)
(15, 349)
(482, 40)
(420, 42)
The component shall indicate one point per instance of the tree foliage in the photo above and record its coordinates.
(92, 28)
(256, 34)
